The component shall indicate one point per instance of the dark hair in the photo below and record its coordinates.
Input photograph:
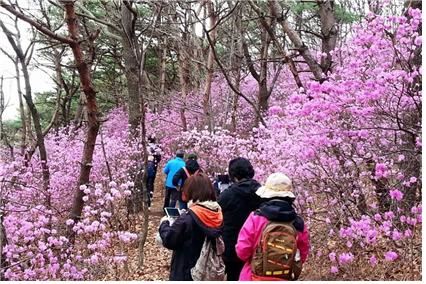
(199, 188)
(240, 168)
(180, 153)
(192, 156)
(192, 166)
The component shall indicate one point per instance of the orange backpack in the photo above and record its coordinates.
(276, 256)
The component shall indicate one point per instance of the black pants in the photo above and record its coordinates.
(150, 188)
(233, 270)
(182, 204)
(171, 197)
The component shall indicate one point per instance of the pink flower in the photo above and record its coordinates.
(418, 41)
(396, 235)
(391, 256)
(389, 215)
(396, 194)
(377, 217)
(332, 256)
(408, 233)
(381, 170)
(345, 258)
(334, 269)
(413, 179)
(373, 261)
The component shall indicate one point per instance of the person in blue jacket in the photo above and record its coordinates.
(170, 169)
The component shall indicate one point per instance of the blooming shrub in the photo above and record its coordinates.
(351, 145)
(37, 246)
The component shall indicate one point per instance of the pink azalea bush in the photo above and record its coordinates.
(351, 144)
(37, 244)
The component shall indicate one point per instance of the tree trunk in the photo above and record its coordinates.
(183, 78)
(38, 130)
(237, 78)
(328, 32)
(3, 240)
(297, 41)
(92, 111)
(2, 108)
(163, 68)
(285, 58)
(81, 110)
(21, 110)
(263, 94)
(210, 61)
(131, 68)
(33, 110)
(236, 57)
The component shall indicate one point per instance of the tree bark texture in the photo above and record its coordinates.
(92, 110)
(210, 60)
(296, 40)
(131, 67)
(329, 33)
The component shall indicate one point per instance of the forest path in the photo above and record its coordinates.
(156, 258)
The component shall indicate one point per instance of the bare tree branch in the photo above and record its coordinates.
(35, 24)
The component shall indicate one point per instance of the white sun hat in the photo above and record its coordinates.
(277, 185)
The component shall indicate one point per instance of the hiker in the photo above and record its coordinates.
(237, 202)
(154, 150)
(191, 167)
(192, 156)
(150, 178)
(221, 182)
(264, 245)
(188, 232)
(170, 169)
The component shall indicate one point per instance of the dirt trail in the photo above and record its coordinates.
(156, 258)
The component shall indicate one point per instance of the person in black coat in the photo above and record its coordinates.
(186, 235)
(150, 178)
(192, 167)
(237, 202)
(180, 177)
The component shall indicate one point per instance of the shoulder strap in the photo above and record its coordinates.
(186, 172)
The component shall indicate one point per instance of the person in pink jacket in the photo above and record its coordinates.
(278, 197)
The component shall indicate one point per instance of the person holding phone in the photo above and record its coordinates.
(186, 235)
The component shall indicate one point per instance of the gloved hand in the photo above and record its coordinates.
(165, 218)
(181, 211)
